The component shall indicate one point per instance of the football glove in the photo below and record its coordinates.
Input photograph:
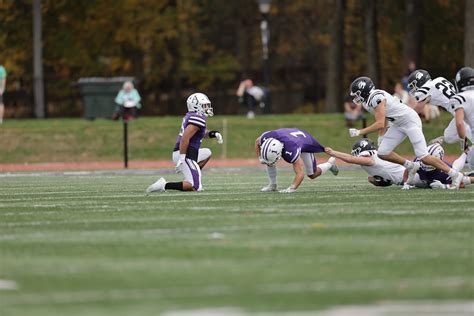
(436, 184)
(290, 189)
(353, 132)
(181, 160)
(219, 138)
(406, 186)
(465, 144)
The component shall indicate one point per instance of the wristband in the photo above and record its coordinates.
(212, 134)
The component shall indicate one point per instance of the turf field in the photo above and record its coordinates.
(94, 244)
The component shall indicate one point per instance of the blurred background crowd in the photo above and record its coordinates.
(301, 54)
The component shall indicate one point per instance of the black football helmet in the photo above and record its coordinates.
(464, 78)
(363, 145)
(361, 88)
(417, 79)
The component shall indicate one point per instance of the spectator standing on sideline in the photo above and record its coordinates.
(250, 96)
(128, 102)
(352, 111)
(3, 83)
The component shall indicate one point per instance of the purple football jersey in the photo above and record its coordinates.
(295, 141)
(431, 176)
(197, 119)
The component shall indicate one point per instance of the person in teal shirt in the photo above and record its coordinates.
(3, 83)
(128, 102)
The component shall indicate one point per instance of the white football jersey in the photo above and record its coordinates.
(386, 169)
(464, 100)
(440, 90)
(395, 110)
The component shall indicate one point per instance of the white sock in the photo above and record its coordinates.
(272, 174)
(466, 180)
(408, 164)
(324, 167)
(452, 173)
(459, 163)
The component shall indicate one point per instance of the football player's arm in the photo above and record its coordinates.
(188, 133)
(298, 167)
(379, 124)
(420, 105)
(361, 161)
(459, 117)
(257, 146)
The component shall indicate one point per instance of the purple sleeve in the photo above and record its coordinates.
(291, 152)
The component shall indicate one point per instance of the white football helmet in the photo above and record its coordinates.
(199, 102)
(270, 151)
(434, 150)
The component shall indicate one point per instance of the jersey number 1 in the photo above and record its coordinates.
(296, 134)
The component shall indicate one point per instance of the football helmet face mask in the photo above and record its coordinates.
(435, 150)
(270, 151)
(199, 102)
(464, 78)
(417, 79)
(363, 147)
(361, 88)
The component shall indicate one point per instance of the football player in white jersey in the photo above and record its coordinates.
(382, 173)
(463, 106)
(436, 92)
(405, 122)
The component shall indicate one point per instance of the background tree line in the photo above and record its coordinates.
(173, 47)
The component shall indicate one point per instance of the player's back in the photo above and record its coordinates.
(385, 169)
(439, 90)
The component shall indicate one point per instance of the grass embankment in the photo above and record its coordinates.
(152, 138)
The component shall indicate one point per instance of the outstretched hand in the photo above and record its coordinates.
(329, 151)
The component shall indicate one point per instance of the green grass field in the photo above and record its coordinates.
(151, 138)
(96, 245)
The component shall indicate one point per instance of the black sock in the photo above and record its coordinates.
(174, 186)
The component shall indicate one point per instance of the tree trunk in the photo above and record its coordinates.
(334, 90)
(371, 41)
(469, 34)
(413, 32)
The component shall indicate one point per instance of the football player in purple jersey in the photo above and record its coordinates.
(187, 154)
(430, 177)
(296, 147)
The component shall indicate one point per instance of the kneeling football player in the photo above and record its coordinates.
(296, 147)
(187, 155)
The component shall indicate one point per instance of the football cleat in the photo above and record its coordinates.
(439, 140)
(412, 172)
(269, 188)
(456, 181)
(158, 186)
(334, 169)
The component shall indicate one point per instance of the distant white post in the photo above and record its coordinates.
(226, 140)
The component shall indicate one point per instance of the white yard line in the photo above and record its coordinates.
(8, 285)
(86, 296)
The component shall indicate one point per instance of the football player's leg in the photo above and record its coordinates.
(313, 170)
(392, 138)
(192, 178)
(311, 167)
(451, 133)
(459, 163)
(470, 159)
(203, 156)
(272, 179)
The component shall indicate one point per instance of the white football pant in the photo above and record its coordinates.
(399, 131)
